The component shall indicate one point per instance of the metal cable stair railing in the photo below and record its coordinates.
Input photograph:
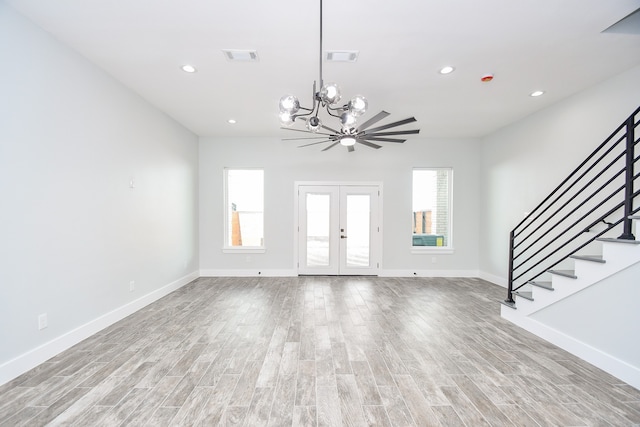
(596, 200)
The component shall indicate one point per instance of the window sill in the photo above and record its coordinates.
(244, 250)
(432, 250)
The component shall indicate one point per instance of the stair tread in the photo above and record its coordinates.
(566, 273)
(543, 285)
(594, 258)
(524, 294)
(509, 304)
(627, 241)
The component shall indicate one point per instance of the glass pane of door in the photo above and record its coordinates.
(318, 229)
(338, 231)
(358, 225)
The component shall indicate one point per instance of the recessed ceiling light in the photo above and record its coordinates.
(342, 56)
(241, 55)
(189, 68)
(536, 93)
(232, 121)
(446, 70)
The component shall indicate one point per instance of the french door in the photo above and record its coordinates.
(338, 229)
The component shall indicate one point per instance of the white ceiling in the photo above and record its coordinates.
(552, 45)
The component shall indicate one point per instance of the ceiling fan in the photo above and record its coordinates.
(349, 136)
(349, 133)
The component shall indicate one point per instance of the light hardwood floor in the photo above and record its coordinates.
(324, 351)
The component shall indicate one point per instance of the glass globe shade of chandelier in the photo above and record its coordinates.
(328, 96)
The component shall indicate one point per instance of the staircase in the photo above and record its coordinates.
(558, 284)
(581, 235)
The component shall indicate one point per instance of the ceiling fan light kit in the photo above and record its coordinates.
(349, 132)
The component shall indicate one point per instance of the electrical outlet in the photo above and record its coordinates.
(42, 321)
(132, 286)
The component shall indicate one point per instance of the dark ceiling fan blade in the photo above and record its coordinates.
(305, 131)
(350, 148)
(314, 143)
(397, 132)
(394, 124)
(329, 129)
(331, 146)
(304, 138)
(375, 119)
(375, 138)
(367, 143)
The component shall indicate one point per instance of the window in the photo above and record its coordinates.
(244, 210)
(431, 218)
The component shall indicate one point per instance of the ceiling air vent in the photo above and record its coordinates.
(342, 56)
(241, 55)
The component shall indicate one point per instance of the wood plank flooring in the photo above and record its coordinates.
(319, 351)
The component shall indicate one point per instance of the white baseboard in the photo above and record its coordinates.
(248, 273)
(428, 273)
(29, 360)
(608, 363)
(381, 273)
(501, 281)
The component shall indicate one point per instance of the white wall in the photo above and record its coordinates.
(523, 162)
(612, 328)
(72, 232)
(392, 165)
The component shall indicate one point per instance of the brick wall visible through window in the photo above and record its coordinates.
(432, 207)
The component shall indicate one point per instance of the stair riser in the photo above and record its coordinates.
(558, 281)
(622, 253)
(525, 306)
(596, 271)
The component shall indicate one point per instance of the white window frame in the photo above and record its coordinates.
(226, 248)
(449, 249)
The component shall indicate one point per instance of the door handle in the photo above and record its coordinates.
(343, 237)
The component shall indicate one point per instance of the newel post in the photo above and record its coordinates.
(628, 189)
(510, 284)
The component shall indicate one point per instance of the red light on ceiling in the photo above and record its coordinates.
(486, 78)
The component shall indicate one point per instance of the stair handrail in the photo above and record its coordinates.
(614, 145)
(629, 194)
(619, 221)
(575, 195)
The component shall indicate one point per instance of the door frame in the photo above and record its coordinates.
(296, 220)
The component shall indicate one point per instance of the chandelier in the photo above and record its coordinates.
(346, 131)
